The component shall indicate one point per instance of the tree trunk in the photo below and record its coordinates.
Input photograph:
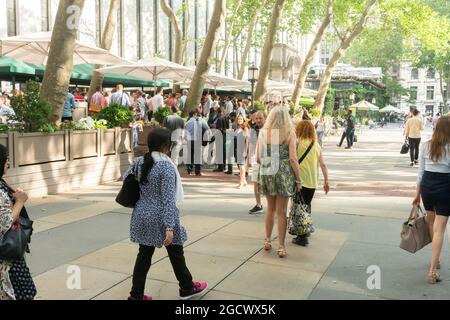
(266, 55)
(206, 57)
(185, 31)
(309, 59)
(107, 40)
(60, 59)
(249, 41)
(228, 38)
(340, 52)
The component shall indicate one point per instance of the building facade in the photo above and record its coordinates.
(425, 88)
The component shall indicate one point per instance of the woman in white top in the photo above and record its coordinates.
(320, 129)
(433, 186)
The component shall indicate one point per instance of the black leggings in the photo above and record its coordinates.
(308, 195)
(414, 145)
(144, 261)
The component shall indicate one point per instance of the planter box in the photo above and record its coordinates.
(142, 136)
(125, 141)
(4, 140)
(36, 148)
(108, 141)
(84, 144)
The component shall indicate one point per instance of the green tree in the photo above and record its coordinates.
(60, 59)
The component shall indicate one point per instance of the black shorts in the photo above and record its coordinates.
(435, 191)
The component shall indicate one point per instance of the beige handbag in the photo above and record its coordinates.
(415, 233)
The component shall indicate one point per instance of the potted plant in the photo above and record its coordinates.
(116, 116)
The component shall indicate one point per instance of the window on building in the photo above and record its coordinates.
(3, 19)
(164, 35)
(415, 74)
(148, 28)
(430, 92)
(87, 31)
(130, 29)
(115, 48)
(413, 93)
(429, 111)
(430, 74)
(11, 18)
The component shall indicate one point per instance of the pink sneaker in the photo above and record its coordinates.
(198, 289)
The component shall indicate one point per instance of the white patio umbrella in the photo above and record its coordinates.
(34, 48)
(389, 109)
(365, 106)
(218, 81)
(152, 69)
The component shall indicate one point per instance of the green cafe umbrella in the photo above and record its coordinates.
(307, 101)
(389, 109)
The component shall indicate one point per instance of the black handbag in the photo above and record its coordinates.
(130, 192)
(405, 148)
(14, 243)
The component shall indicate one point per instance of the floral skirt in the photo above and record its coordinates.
(22, 282)
(277, 182)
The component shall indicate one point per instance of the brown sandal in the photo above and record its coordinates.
(433, 278)
(267, 245)
(282, 252)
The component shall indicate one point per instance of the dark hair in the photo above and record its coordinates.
(158, 139)
(159, 89)
(174, 109)
(3, 158)
(415, 112)
(192, 114)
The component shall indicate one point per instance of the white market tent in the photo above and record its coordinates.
(365, 106)
(152, 69)
(34, 48)
(390, 108)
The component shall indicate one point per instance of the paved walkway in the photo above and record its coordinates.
(358, 226)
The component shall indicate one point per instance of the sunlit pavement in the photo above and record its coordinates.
(358, 234)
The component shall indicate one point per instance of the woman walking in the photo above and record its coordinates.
(279, 174)
(433, 186)
(310, 154)
(16, 282)
(155, 220)
(241, 144)
(320, 129)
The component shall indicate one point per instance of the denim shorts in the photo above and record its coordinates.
(435, 191)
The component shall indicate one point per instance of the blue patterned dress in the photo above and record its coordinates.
(156, 209)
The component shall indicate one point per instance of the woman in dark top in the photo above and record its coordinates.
(16, 282)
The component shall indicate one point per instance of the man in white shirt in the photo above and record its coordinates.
(120, 97)
(229, 108)
(158, 100)
(209, 104)
(183, 99)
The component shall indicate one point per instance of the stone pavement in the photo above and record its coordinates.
(358, 225)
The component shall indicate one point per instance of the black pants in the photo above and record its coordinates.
(350, 138)
(192, 149)
(414, 145)
(344, 135)
(223, 165)
(67, 119)
(308, 195)
(144, 261)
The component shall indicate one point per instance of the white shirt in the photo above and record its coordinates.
(157, 101)
(121, 98)
(229, 108)
(426, 164)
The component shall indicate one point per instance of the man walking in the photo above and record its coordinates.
(258, 120)
(209, 104)
(413, 132)
(350, 132)
(175, 124)
(195, 129)
(158, 100)
(141, 105)
(120, 97)
(69, 108)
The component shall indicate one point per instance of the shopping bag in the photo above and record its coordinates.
(300, 221)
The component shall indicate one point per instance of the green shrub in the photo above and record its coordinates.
(31, 110)
(162, 113)
(116, 116)
(258, 105)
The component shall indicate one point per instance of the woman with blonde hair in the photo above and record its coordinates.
(433, 186)
(310, 157)
(279, 174)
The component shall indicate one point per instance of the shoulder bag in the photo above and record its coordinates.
(405, 147)
(130, 192)
(415, 232)
(14, 243)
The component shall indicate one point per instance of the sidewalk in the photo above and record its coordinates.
(358, 225)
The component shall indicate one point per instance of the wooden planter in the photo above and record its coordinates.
(108, 137)
(36, 148)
